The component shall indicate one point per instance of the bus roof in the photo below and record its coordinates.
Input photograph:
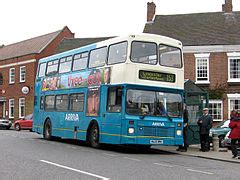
(141, 36)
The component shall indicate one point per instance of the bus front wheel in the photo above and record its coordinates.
(94, 136)
(47, 134)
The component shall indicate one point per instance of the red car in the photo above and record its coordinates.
(25, 123)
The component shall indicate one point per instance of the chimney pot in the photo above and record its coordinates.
(227, 7)
(151, 7)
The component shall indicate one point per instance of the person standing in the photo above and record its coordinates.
(235, 133)
(183, 148)
(205, 124)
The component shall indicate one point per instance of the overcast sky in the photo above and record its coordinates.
(24, 19)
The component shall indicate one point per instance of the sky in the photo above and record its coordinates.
(25, 19)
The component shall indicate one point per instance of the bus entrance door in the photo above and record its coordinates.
(112, 115)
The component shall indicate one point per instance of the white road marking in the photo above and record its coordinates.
(133, 159)
(203, 172)
(164, 165)
(112, 155)
(76, 170)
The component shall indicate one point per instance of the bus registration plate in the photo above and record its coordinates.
(156, 141)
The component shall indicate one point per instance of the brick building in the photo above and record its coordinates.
(18, 66)
(211, 47)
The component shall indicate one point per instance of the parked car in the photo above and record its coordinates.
(226, 141)
(221, 130)
(5, 123)
(25, 123)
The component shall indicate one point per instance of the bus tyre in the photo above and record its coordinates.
(47, 134)
(94, 136)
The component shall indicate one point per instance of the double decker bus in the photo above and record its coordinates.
(125, 90)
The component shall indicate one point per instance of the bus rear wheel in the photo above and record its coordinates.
(94, 136)
(47, 134)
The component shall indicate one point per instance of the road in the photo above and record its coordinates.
(25, 155)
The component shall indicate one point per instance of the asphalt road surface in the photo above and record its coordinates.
(26, 155)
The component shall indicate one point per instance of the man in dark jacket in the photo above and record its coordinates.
(205, 124)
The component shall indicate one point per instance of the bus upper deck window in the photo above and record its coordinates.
(42, 70)
(117, 53)
(80, 61)
(98, 57)
(144, 52)
(52, 67)
(65, 64)
(170, 56)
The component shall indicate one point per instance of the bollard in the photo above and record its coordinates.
(215, 141)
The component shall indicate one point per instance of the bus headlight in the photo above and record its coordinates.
(130, 130)
(179, 132)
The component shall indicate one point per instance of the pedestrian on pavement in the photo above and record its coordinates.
(183, 148)
(235, 133)
(205, 124)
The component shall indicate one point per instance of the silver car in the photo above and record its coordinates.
(5, 123)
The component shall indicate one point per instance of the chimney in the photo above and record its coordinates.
(227, 7)
(150, 11)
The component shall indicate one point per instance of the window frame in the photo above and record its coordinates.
(52, 73)
(1, 78)
(73, 60)
(232, 97)
(232, 56)
(44, 73)
(19, 107)
(157, 54)
(49, 109)
(11, 77)
(216, 101)
(11, 111)
(83, 102)
(56, 106)
(105, 61)
(198, 57)
(181, 58)
(22, 73)
(115, 88)
(109, 52)
(66, 60)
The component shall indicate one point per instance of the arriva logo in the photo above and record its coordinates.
(158, 124)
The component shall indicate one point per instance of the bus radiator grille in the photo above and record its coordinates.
(156, 131)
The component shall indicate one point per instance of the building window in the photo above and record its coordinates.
(21, 107)
(202, 68)
(233, 102)
(11, 108)
(216, 110)
(1, 79)
(22, 74)
(11, 75)
(233, 67)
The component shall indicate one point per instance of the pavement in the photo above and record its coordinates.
(223, 154)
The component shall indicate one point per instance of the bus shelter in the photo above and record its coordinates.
(196, 98)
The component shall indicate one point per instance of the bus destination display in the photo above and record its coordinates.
(156, 76)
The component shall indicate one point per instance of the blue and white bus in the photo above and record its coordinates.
(125, 90)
